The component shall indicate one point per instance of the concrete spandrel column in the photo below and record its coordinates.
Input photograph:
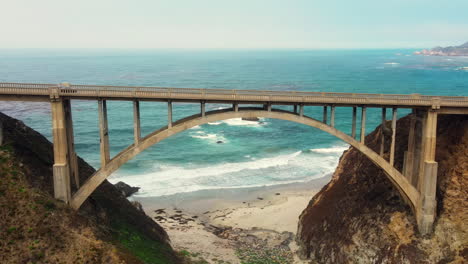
(392, 145)
(103, 132)
(202, 109)
(363, 125)
(136, 121)
(169, 114)
(1, 132)
(353, 128)
(325, 117)
(332, 117)
(72, 157)
(382, 134)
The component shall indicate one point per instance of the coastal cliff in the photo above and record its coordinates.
(35, 228)
(359, 217)
(461, 50)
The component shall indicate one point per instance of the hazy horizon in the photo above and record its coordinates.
(210, 24)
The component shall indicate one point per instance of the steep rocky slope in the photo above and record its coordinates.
(359, 216)
(35, 228)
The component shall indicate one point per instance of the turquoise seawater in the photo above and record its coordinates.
(252, 153)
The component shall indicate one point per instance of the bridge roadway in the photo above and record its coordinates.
(43, 92)
(416, 182)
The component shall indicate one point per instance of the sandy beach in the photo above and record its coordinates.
(221, 225)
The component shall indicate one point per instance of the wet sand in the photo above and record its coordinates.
(213, 223)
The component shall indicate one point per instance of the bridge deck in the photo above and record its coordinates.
(32, 91)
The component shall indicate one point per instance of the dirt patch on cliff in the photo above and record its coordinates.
(359, 217)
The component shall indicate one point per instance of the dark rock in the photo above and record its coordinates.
(126, 189)
(251, 119)
(219, 142)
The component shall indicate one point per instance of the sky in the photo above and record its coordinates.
(220, 24)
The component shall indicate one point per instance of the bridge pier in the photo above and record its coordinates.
(427, 176)
(420, 167)
(61, 167)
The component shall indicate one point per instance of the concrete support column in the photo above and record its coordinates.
(353, 129)
(427, 175)
(169, 114)
(103, 133)
(301, 110)
(325, 117)
(1, 132)
(363, 125)
(382, 134)
(392, 145)
(61, 169)
(332, 116)
(413, 155)
(202, 108)
(409, 154)
(269, 107)
(72, 157)
(136, 121)
(236, 107)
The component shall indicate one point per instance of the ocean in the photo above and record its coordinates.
(232, 153)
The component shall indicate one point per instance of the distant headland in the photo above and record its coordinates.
(461, 50)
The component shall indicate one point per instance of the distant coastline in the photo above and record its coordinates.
(461, 50)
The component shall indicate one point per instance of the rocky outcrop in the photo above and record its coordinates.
(125, 189)
(359, 217)
(106, 225)
(461, 50)
(251, 119)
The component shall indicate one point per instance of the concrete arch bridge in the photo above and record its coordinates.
(416, 183)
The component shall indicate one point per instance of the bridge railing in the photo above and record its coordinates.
(225, 94)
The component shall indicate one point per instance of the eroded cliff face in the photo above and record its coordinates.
(359, 216)
(35, 228)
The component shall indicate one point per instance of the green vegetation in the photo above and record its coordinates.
(267, 256)
(147, 250)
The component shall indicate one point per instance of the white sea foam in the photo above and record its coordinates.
(281, 169)
(336, 149)
(214, 123)
(210, 136)
(196, 127)
(240, 122)
(391, 63)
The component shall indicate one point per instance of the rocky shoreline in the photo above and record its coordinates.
(259, 227)
(461, 50)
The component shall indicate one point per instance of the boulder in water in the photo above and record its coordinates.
(250, 119)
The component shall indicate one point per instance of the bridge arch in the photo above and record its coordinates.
(406, 189)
